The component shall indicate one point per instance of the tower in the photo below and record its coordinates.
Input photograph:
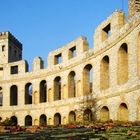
(134, 7)
(10, 48)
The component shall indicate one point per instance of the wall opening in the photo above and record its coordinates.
(123, 112)
(43, 91)
(72, 52)
(14, 120)
(138, 55)
(1, 71)
(104, 114)
(43, 120)
(57, 88)
(36, 122)
(58, 59)
(106, 32)
(14, 69)
(13, 95)
(87, 116)
(57, 119)
(28, 93)
(123, 64)
(104, 73)
(50, 96)
(72, 84)
(87, 79)
(1, 97)
(3, 48)
(28, 120)
(72, 117)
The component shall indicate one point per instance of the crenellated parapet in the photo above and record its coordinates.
(108, 29)
(69, 52)
(10, 37)
(38, 64)
(10, 48)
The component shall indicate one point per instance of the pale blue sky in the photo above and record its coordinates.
(45, 25)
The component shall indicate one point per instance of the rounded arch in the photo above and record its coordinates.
(87, 79)
(43, 120)
(28, 120)
(72, 84)
(104, 114)
(57, 88)
(123, 113)
(87, 116)
(36, 122)
(57, 119)
(72, 117)
(122, 71)
(50, 96)
(104, 73)
(50, 121)
(28, 93)
(14, 120)
(43, 91)
(13, 95)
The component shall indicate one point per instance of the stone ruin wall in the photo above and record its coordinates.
(108, 74)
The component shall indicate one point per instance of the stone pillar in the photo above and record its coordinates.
(35, 92)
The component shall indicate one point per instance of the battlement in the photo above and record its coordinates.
(68, 52)
(108, 29)
(11, 48)
(8, 35)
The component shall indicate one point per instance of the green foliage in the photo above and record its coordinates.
(7, 122)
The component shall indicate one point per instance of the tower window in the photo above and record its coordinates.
(3, 48)
(72, 52)
(106, 32)
(14, 69)
(20, 56)
(58, 59)
(15, 53)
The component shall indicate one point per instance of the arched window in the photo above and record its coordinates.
(28, 93)
(14, 120)
(123, 64)
(1, 97)
(123, 112)
(87, 79)
(13, 95)
(104, 73)
(104, 114)
(87, 116)
(3, 48)
(57, 119)
(57, 88)
(72, 117)
(28, 120)
(72, 84)
(43, 90)
(43, 120)
(138, 54)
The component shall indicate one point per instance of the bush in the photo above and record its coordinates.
(7, 122)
